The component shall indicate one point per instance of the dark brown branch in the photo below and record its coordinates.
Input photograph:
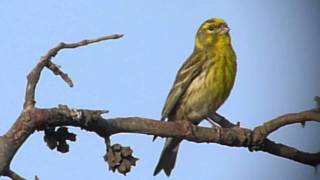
(13, 175)
(54, 121)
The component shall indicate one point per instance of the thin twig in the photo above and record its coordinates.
(57, 71)
(34, 75)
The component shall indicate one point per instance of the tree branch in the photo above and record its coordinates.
(13, 175)
(261, 132)
(34, 75)
(54, 122)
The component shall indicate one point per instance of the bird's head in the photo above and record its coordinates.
(213, 32)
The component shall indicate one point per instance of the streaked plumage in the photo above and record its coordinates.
(201, 86)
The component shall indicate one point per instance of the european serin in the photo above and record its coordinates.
(201, 86)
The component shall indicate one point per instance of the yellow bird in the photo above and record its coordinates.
(201, 86)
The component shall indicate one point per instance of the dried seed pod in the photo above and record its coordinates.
(57, 139)
(120, 158)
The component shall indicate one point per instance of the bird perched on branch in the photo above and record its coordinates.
(201, 86)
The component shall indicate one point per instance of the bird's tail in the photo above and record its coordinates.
(168, 156)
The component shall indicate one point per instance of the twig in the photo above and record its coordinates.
(261, 132)
(57, 71)
(34, 75)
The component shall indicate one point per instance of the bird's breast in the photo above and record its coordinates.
(211, 87)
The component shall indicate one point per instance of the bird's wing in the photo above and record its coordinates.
(186, 74)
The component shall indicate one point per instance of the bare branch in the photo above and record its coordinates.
(281, 150)
(13, 175)
(24, 126)
(57, 71)
(235, 137)
(261, 132)
(91, 120)
(34, 75)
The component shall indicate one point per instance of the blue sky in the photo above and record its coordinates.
(277, 46)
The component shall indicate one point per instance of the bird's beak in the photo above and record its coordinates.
(224, 29)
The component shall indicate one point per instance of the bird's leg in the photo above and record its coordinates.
(217, 118)
(222, 121)
(212, 122)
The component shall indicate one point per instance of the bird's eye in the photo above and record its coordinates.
(210, 29)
